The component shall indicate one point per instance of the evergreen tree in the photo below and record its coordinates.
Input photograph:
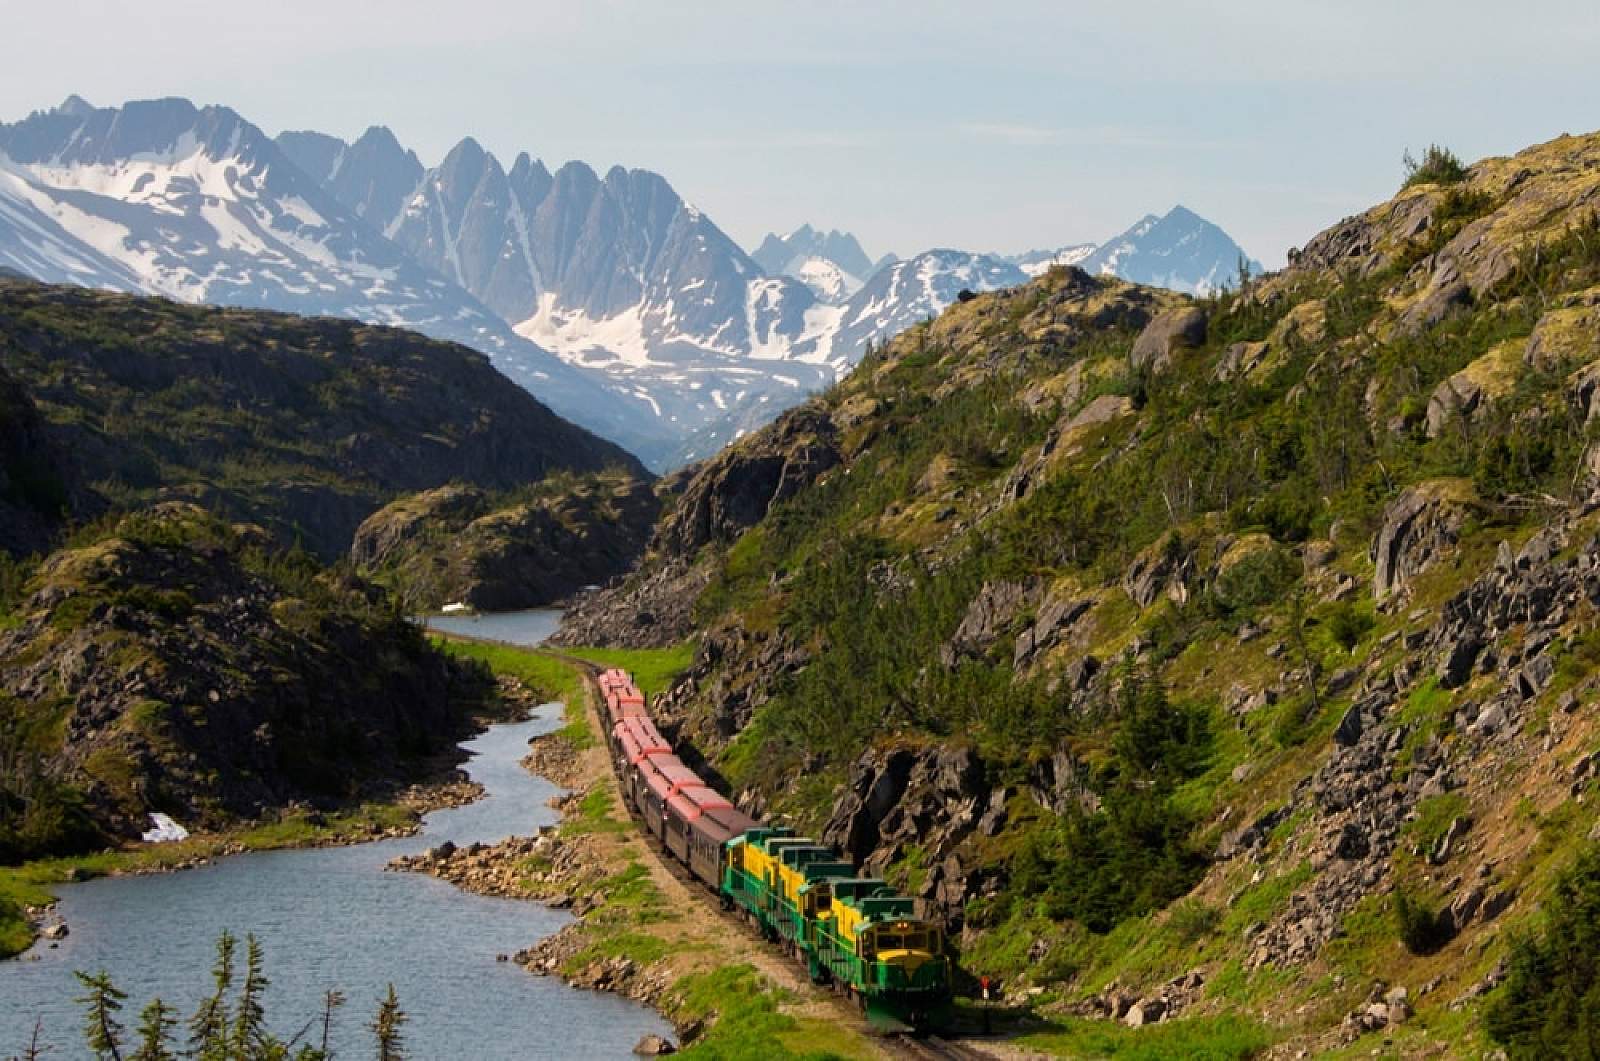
(250, 1038)
(331, 1001)
(386, 1028)
(156, 1024)
(208, 1028)
(101, 1029)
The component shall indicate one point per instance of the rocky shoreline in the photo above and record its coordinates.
(418, 800)
(565, 872)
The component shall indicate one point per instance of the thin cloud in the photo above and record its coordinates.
(1021, 135)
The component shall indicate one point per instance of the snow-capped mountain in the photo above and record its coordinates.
(617, 275)
(1181, 251)
(160, 197)
(611, 298)
(1037, 263)
(832, 264)
(777, 254)
(916, 289)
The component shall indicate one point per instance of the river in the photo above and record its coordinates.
(333, 918)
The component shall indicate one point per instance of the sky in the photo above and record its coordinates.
(999, 126)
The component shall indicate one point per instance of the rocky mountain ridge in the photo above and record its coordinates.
(532, 548)
(305, 426)
(1221, 659)
(172, 662)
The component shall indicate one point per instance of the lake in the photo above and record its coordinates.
(333, 918)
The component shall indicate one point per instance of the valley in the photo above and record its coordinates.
(568, 611)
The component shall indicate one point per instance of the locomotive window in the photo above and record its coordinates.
(888, 941)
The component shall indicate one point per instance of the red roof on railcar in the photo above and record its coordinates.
(734, 820)
(645, 730)
(630, 747)
(650, 770)
(674, 771)
(642, 736)
(705, 797)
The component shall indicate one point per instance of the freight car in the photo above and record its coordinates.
(855, 933)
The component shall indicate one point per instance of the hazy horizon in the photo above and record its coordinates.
(911, 126)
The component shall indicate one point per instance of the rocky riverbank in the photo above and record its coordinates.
(296, 826)
(638, 931)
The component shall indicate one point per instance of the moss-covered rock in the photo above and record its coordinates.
(495, 553)
(168, 662)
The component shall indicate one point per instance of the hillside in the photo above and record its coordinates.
(304, 425)
(1220, 660)
(168, 661)
(530, 548)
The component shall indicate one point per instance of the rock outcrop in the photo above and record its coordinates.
(1419, 526)
(190, 671)
(458, 543)
(1166, 336)
(734, 490)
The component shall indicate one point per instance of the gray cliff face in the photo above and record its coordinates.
(373, 176)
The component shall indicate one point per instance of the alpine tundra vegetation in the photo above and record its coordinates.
(1229, 657)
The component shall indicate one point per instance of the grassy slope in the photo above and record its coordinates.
(1306, 449)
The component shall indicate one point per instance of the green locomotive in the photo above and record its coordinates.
(854, 933)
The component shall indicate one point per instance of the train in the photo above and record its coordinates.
(854, 933)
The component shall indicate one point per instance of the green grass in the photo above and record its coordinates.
(593, 815)
(746, 1024)
(654, 669)
(545, 674)
(1222, 1038)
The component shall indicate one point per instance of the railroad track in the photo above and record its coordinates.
(906, 1044)
(931, 1046)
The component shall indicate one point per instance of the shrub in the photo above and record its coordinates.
(1550, 1004)
(1439, 165)
(1347, 624)
(1422, 928)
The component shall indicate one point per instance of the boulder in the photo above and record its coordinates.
(1102, 410)
(1583, 390)
(1465, 395)
(1566, 336)
(1419, 526)
(1239, 360)
(1055, 619)
(1447, 295)
(1167, 335)
(1164, 565)
(1145, 1011)
(654, 1046)
(987, 618)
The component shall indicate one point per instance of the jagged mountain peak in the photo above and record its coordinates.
(75, 105)
(527, 167)
(1179, 250)
(784, 255)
